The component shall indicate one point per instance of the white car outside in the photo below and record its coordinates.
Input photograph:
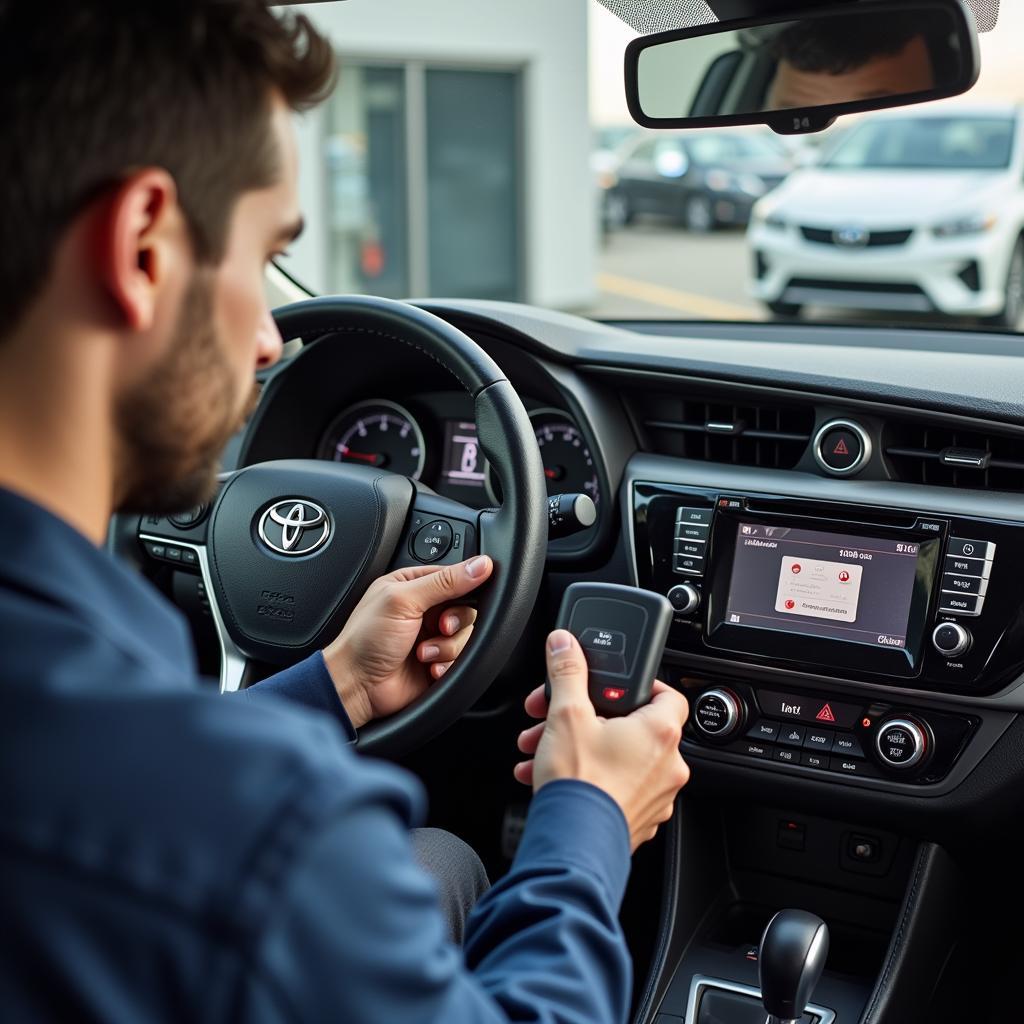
(913, 211)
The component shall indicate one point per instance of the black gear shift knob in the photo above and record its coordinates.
(792, 956)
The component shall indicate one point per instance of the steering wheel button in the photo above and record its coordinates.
(189, 518)
(433, 541)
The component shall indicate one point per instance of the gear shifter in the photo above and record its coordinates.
(792, 956)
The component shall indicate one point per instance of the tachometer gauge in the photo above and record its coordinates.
(568, 465)
(377, 433)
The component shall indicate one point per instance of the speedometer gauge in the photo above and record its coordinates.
(378, 433)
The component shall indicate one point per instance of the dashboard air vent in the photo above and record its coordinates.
(950, 457)
(740, 433)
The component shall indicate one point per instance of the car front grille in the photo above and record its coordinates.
(892, 295)
(873, 240)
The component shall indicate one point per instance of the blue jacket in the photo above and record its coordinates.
(170, 854)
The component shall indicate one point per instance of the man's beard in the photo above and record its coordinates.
(173, 427)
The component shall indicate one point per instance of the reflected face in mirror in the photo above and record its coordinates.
(811, 73)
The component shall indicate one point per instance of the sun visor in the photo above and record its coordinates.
(650, 16)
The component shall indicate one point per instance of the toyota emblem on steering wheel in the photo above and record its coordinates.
(294, 527)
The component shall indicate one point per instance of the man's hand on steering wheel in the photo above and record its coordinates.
(403, 634)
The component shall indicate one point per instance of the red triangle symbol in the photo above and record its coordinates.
(825, 714)
(841, 449)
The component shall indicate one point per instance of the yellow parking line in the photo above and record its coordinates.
(673, 298)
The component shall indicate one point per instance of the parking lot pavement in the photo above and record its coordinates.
(661, 271)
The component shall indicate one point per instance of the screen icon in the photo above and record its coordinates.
(796, 568)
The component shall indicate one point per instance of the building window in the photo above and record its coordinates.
(423, 171)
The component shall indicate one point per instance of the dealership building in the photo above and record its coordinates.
(453, 158)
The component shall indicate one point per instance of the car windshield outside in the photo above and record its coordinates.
(955, 143)
(473, 157)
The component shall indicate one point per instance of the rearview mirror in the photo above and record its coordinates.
(797, 72)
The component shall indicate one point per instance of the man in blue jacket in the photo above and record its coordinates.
(165, 853)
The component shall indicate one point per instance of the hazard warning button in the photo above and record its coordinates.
(826, 714)
(842, 448)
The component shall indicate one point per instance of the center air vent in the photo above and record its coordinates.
(742, 434)
(949, 457)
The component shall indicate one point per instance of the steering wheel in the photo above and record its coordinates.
(291, 546)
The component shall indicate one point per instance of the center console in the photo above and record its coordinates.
(785, 605)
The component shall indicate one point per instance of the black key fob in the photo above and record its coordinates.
(623, 632)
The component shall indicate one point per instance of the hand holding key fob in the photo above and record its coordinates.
(623, 631)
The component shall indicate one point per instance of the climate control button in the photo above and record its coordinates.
(717, 713)
(901, 743)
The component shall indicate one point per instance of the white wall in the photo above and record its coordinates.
(548, 39)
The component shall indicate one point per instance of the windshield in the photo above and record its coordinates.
(935, 143)
(471, 157)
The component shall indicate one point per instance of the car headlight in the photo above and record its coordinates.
(752, 185)
(769, 219)
(973, 224)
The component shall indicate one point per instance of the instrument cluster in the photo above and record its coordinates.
(434, 440)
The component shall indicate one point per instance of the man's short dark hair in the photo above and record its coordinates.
(837, 45)
(92, 89)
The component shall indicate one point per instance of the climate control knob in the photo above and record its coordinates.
(717, 713)
(951, 639)
(901, 743)
(685, 599)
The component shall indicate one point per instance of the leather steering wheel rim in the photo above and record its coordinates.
(515, 535)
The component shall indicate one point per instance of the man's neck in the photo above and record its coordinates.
(55, 426)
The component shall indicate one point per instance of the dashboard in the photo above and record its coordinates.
(839, 531)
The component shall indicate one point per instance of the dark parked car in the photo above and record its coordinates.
(702, 180)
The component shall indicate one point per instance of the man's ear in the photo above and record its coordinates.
(142, 238)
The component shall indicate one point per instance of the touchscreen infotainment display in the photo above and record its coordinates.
(837, 586)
